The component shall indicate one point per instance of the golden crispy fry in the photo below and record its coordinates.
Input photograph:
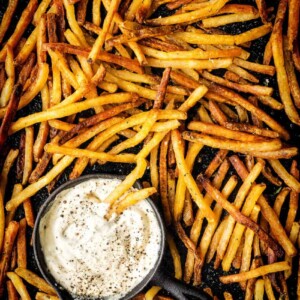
(192, 153)
(106, 25)
(294, 198)
(264, 69)
(209, 39)
(214, 63)
(163, 179)
(105, 56)
(70, 109)
(20, 27)
(132, 198)
(253, 89)
(6, 19)
(43, 296)
(28, 157)
(233, 145)
(228, 19)
(278, 56)
(122, 158)
(30, 190)
(177, 143)
(293, 23)
(292, 78)
(289, 179)
(19, 285)
(238, 231)
(9, 114)
(35, 280)
(11, 291)
(10, 81)
(176, 256)
(247, 249)
(267, 269)
(238, 216)
(294, 233)
(128, 181)
(269, 214)
(8, 242)
(21, 244)
(43, 132)
(193, 16)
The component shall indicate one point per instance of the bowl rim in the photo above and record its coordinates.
(38, 252)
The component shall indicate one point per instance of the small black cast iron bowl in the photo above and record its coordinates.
(156, 276)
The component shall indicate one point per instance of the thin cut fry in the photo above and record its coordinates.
(261, 271)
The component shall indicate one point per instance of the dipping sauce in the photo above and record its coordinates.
(90, 256)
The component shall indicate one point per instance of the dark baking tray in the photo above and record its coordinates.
(210, 275)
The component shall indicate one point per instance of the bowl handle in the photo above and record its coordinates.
(177, 288)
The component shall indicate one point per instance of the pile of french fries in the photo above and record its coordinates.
(175, 86)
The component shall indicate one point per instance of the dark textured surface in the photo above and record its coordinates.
(210, 276)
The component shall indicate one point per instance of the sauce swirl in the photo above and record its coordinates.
(90, 256)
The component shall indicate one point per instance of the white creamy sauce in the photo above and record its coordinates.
(90, 256)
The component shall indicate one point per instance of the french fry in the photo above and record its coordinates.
(217, 130)
(290, 71)
(69, 109)
(238, 216)
(198, 223)
(35, 280)
(9, 114)
(293, 23)
(289, 179)
(30, 190)
(6, 19)
(191, 155)
(260, 271)
(141, 135)
(259, 289)
(28, 158)
(278, 56)
(43, 132)
(253, 89)
(19, 285)
(128, 181)
(163, 180)
(189, 181)
(9, 83)
(294, 198)
(263, 69)
(294, 233)
(215, 241)
(217, 21)
(176, 256)
(106, 25)
(247, 249)
(269, 214)
(131, 198)
(238, 231)
(43, 296)
(8, 242)
(29, 213)
(190, 16)
(10, 216)
(122, 158)
(280, 200)
(253, 109)
(23, 22)
(21, 244)
(238, 146)
(11, 291)
(251, 129)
